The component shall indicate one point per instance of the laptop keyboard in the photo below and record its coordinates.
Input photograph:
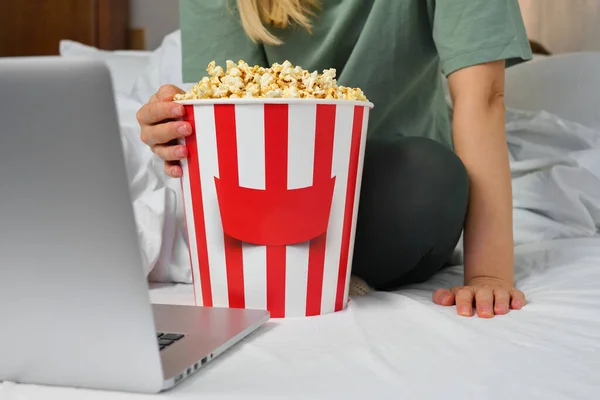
(167, 339)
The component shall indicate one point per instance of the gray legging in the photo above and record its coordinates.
(412, 209)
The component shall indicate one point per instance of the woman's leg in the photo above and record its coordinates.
(412, 209)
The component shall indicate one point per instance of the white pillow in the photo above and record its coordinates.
(566, 85)
(163, 68)
(125, 66)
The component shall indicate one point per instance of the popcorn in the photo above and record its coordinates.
(280, 81)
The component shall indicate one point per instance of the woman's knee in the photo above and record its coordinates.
(415, 167)
(442, 170)
(413, 201)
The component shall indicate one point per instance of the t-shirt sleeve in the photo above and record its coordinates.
(211, 30)
(471, 32)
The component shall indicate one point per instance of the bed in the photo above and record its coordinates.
(401, 345)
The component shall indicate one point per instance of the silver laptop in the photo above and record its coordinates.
(74, 302)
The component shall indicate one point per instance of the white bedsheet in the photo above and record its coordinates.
(401, 345)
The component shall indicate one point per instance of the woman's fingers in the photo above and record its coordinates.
(443, 297)
(170, 152)
(518, 299)
(484, 302)
(501, 302)
(488, 301)
(173, 169)
(167, 92)
(464, 300)
(156, 112)
(160, 131)
(163, 133)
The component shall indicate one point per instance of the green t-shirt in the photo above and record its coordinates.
(394, 50)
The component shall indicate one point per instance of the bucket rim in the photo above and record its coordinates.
(262, 101)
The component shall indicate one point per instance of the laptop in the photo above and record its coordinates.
(75, 307)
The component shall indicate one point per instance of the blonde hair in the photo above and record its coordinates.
(257, 14)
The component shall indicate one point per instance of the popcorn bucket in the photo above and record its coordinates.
(271, 190)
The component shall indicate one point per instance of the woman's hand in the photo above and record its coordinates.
(161, 128)
(491, 296)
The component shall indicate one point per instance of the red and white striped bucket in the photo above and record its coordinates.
(271, 190)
